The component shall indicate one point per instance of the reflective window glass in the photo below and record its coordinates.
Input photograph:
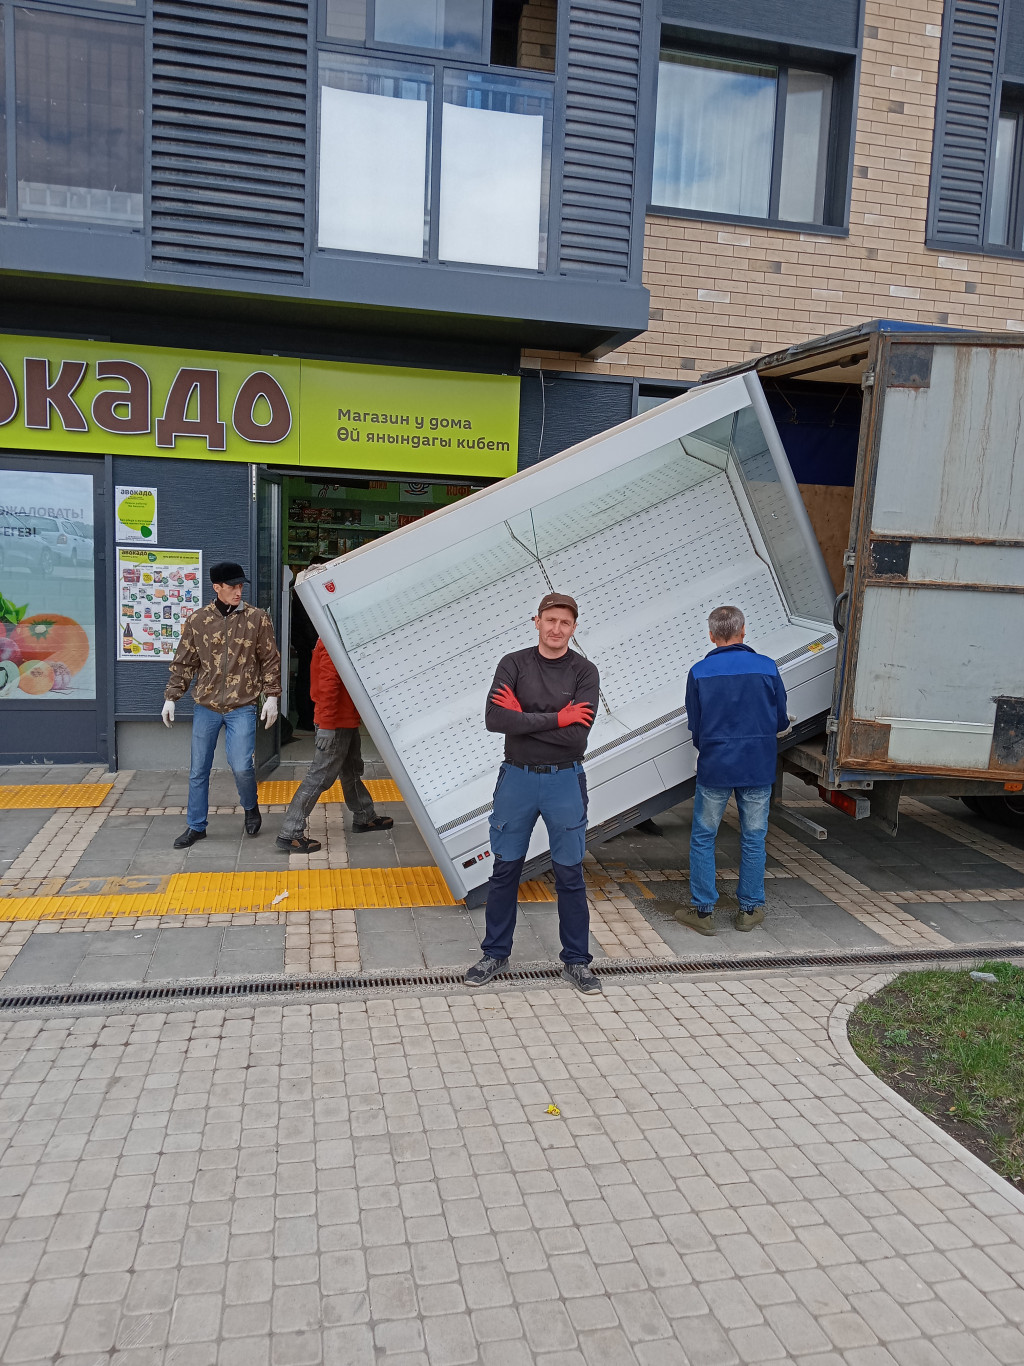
(79, 109)
(805, 146)
(375, 119)
(495, 155)
(1001, 202)
(454, 26)
(714, 135)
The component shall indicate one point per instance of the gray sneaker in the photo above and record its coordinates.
(581, 977)
(483, 972)
(750, 918)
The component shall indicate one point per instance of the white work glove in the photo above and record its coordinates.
(269, 713)
(167, 715)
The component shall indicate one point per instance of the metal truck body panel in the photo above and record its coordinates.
(649, 526)
(930, 680)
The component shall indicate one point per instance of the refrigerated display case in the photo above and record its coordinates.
(648, 526)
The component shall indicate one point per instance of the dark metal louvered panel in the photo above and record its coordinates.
(228, 180)
(965, 119)
(602, 92)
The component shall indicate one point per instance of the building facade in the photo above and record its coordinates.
(277, 277)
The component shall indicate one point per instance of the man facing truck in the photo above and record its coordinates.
(543, 701)
(736, 709)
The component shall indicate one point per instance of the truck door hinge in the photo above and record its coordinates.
(868, 378)
(849, 559)
(832, 725)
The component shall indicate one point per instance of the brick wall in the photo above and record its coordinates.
(720, 292)
(537, 35)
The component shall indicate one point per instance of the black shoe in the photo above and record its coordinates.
(581, 977)
(190, 837)
(374, 823)
(649, 827)
(253, 820)
(481, 973)
(301, 844)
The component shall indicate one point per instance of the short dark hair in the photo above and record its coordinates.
(725, 623)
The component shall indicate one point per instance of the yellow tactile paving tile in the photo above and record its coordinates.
(34, 795)
(281, 792)
(238, 893)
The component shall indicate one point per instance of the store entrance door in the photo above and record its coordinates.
(328, 514)
(266, 557)
(54, 646)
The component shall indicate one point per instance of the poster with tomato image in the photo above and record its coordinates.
(47, 587)
(157, 592)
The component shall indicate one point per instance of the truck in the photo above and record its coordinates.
(906, 444)
(860, 497)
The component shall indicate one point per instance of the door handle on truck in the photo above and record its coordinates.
(837, 620)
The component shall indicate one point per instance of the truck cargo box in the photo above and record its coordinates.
(908, 448)
(649, 526)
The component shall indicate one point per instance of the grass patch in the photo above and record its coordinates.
(954, 1047)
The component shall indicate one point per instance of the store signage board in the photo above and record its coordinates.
(157, 590)
(101, 398)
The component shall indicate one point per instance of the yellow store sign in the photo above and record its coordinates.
(100, 398)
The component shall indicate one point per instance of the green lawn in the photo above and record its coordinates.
(954, 1047)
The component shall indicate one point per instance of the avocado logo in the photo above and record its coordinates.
(137, 512)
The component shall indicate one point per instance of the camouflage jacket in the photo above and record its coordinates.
(232, 659)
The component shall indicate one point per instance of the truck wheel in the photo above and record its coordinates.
(1007, 811)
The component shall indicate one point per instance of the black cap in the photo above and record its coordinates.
(227, 571)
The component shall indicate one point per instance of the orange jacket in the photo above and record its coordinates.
(332, 706)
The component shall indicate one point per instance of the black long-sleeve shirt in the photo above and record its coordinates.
(542, 688)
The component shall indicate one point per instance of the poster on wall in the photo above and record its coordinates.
(47, 587)
(135, 515)
(157, 591)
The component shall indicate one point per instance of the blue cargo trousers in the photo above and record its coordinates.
(559, 798)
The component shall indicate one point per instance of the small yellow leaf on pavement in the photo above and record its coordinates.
(553, 1110)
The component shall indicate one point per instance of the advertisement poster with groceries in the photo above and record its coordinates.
(157, 591)
(47, 587)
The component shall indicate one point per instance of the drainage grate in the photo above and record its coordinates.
(524, 972)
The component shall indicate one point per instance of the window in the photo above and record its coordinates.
(1005, 210)
(511, 33)
(477, 194)
(375, 121)
(495, 150)
(742, 139)
(79, 117)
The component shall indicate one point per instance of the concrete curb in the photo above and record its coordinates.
(837, 1031)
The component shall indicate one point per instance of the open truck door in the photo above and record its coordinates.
(930, 678)
(648, 526)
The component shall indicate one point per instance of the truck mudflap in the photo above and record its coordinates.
(648, 526)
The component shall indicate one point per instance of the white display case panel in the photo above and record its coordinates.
(648, 526)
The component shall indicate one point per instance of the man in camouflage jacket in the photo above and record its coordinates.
(228, 649)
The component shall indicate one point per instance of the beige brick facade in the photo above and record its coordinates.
(720, 292)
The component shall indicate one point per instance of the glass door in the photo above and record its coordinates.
(266, 588)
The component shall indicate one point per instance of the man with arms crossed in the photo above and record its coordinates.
(543, 701)
(736, 709)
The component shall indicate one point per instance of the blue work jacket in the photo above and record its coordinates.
(735, 708)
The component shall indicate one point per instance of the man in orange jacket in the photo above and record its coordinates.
(337, 756)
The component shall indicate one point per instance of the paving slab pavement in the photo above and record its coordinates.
(357, 1182)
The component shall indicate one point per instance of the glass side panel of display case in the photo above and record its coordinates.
(647, 549)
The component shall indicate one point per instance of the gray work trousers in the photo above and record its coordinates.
(338, 755)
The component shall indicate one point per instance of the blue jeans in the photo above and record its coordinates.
(240, 744)
(560, 800)
(709, 805)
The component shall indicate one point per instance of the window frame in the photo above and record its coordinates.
(134, 14)
(547, 225)
(841, 64)
(421, 54)
(1011, 105)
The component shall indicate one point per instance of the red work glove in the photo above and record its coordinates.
(575, 714)
(506, 698)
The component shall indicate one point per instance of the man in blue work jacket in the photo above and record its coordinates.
(543, 701)
(736, 710)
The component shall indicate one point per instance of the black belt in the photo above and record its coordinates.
(544, 768)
